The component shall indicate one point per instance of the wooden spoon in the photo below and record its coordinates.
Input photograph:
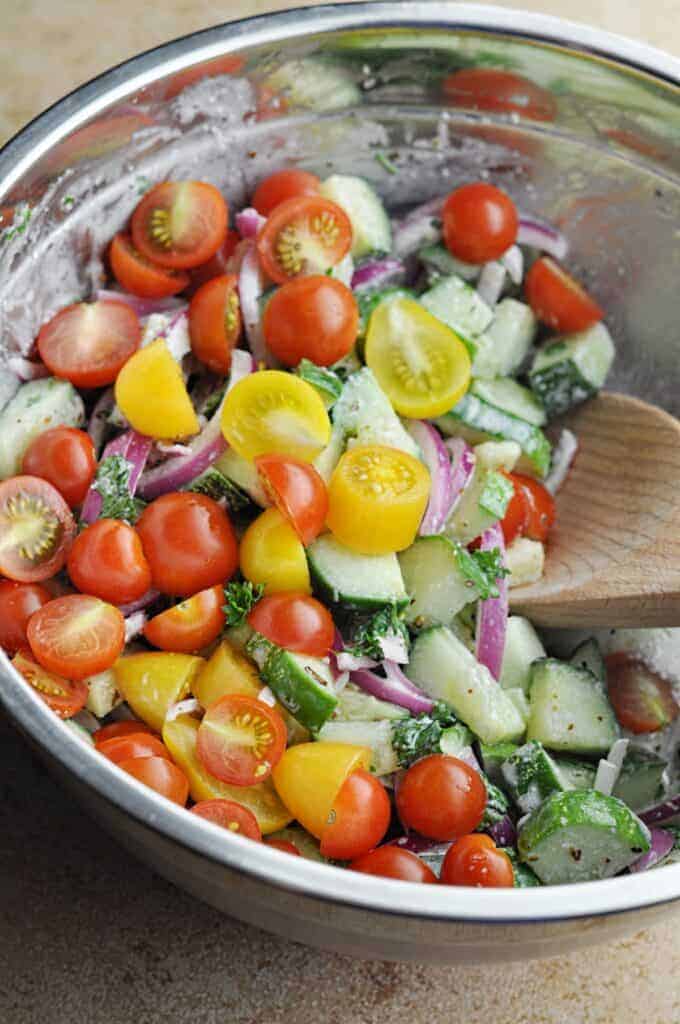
(613, 558)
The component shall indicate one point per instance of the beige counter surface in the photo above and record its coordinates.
(87, 935)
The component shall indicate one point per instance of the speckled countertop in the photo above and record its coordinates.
(87, 935)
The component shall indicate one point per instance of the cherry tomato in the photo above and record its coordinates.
(124, 748)
(306, 235)
(152, 681)
(160, 774)
(189, 543)
(128, 727)
(441, 797)
(540, 507)
(180, 224)
(77, 635)
(313, 317)
(558, 300)
(359, 817)
(36, 529)
(283, 846)
(393, 862)
(240, 740)
(65, 697)
(294, 621)
(190, 625)
(219, 264)
(272, 553)
(288, 184)
(18, 601)
(151, 393)
(136, 274)
(298, 491)
(88, 343)
(230, 815)
(499, 91)
(215, 322)
(516, 516)
(65, 457)
(107, 561)
(475, 860)
(309, 777)
(480, 222)
(642, 700)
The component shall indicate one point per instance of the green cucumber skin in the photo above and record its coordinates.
(492, 756)
(524, 876)
(530, 775)
(509, 396)
(372, 230)
(330, 589)
(522, 648)
(571, 369)
(37, 406)
(306, 699)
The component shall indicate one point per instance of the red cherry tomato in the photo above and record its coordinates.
(298, 491)
(230, 815)
(359, 817)
(294, 621)
(441, 797)
(218, 264)
(135, 274)
(393, 862)
(283, 846)
(480, 222)
(18, 601)
(107, 561)
(540, 507)
(160, 774)
(128, 727)
(303, 236)
(240, 739)
(558, 300)
(189, 543)
(516, 516)
(88, 343)
(282, 185)
(215, 322)
(190, 625)
(313, 317)
(66, 697)
(76, 635)
(475, 860)
(499, 91)
(65, 457)
(140, 744)
(36, 529)
(643, 701)
(180, 224)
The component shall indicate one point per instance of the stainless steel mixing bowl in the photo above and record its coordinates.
(339, 88)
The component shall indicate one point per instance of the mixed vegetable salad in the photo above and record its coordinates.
(270, 579)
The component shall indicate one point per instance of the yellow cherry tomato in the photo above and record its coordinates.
(376, 499)
(272, 553)
(152, 682)
(419, 362)
(262, 799)
(151, 394)
(273, 411)
(308, 779)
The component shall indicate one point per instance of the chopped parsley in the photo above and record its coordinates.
(113, 484)
(416, 737)
(377, 636)
(320, 377)
(22, 216)
(482, 569)
(217, 486)
(496, 494)
(385, 162)
(241, 596)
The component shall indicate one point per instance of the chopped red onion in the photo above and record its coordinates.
(492, 614)
(132, 446)
(491, 282)
(348, 662)
(436, 458)
(513, 261)
(190, 706)
(249, 222)
(662, 843)
(377, 274)
(661, 812)
(142, 307)
(563, 456)
(539, 235)
(419, 227)
(250, 288)
(395, 687)
(242, 365)
(502, 832)
(462, 467)
(26, 369)
(142, 602)
(98, 421)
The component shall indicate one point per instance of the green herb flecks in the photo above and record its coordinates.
(483, 569)
(113, 484)
(378, 636)
(413, 738)
(241, 596)
(385, 162)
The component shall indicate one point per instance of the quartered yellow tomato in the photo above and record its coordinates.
(152, 682)
(151, 395)
(419, 362)
(272, 553)
(376, 499)
(272, 411)
(309, 776)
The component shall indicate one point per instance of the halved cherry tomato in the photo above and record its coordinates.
(480, 222)
(287, 184)
(76, 635)
(107, 561)
(359, 817)
(306, 235)
(313, 317)
(215, 322)
(128, 727)
(151, 393)
(218, 264)
(516, 516)
(230, 815)
(475, 860)
(136, 274)
(284, 846)
(36, 529)
(189, 625)
(558, 300)
(180, 224)
(88, 343)
(540, 507)
(65, 457)
(441, 797)
(152, 681)
(189, 543)
(499, 91)
(18, 601)
(642, 699)
(240, 740)
(272, 553)
(309, 777)
(298, 491)
(66, 697)
(160, 774)
(393, 862)
(140, 744)
(294, 621)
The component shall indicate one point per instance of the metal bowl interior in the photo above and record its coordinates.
(357, 89)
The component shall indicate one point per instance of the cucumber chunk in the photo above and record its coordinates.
(522, 648)
(569, 709)
(506, 394)
(316, 83)
(433, 578)
(470, 516)
(505, 344)
(581, 836)
(362, 582)
(576, 774)
(302, 685)
(368, 300)
(356, 706)
(459, 306)
(439, 262)
(524, 876)
(524, 559)
(493, 755)
(571, 368)
(376, 735)
(371, 229)
(641, 781)
(244, 474)
(456, 740)
(588, 655)
(519, 699)
(37, 406)
(530, 775)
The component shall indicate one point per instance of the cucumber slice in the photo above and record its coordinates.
(37, 406)
(530, 775)
(455, 740)
(581, 836)
(362, 582)
(318, 84)
(525, 559)
(493, 755)
(522, 648)
(519, 699)
(364, 415)
(642, 780)
(588, 655)
(506, 394)
(576, 774)
(302, 685)
(433, 578)
(569, 710)
(244, 474)
(368, 300)
(376, 735)
(302, 841)
(439, 262)
(470, 516)
(524, 876)
(371, 229)
(572, 368)
(459, 306)
(505, 344)
(448, 671)
(356, 706)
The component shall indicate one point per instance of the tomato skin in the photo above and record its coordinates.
(501, 92)
(128, 727)
(313, 317)
(217, 265)
(137, 275)
(558, 299)
(309, 777)
(359, 818)
(263, 740)
(65, 457)
(33, 512)
(294, 621)
(303, 236)
(475, 860)
(65, 697)
(298, 491)
(215, 322)
(284, 846)
(189, 543)
(516, 516)
(271, 553)
(480, 222)
(286, 184)
(643, 701)
(76, 635)
(151, 393)
(88, 343)
(159, 774)
(18, 601)
(393, 862)
(441, 797)
(180, 224)
(228, 814)
(541, 511)
(190, 625)
(151, 682)
(107, 561)
(140, 744)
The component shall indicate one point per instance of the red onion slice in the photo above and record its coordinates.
(419, 227)
(661, 812)
(563, 456)
(502, 832)
(462, 467)
(492, 614)
(491, 282)
(395, 688)
(249, 222)
(539, 235)
(436, 458)
(377, 274)
(140, 604)
(661, 845)
(132, 446)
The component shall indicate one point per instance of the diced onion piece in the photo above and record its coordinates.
(513, 261)
(491, 282)
(249, 222)
(661, 845)
(537, 234)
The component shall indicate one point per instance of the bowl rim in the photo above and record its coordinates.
(325, 883)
